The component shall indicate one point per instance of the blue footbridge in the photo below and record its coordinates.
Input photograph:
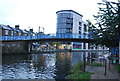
(62, 37)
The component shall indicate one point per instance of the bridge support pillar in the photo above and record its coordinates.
(28, 46)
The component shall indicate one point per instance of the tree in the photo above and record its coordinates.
(107, 29)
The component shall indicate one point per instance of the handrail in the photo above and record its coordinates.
(41, 36)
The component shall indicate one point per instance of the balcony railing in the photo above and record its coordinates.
(42, 36)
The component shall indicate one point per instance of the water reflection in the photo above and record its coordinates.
(40, 66)
(62, 65)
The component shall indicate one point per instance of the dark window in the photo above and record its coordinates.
(80, 23)
(85, 28)
(79, 28)
(79, 36)
(67, 23)
(68, 18)
(84, 46)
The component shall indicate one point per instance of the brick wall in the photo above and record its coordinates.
(13, 47)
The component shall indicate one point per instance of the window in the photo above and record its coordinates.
(85, 28)
(80, 23)
(79, 28)
(68, 23)
(11, 33)
(6, 32)
(19, 33)
(79, 36)
(69, 30)
(61, 30)
(84, 45)
(79, 31)
(67, 18)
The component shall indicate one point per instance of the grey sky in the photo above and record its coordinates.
(35, 13)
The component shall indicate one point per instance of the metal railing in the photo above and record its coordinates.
(41, 36)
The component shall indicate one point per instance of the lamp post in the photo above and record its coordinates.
(39, 30)
(119, 27)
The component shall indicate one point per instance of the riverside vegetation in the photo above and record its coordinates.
(78, 74)
(118, 68)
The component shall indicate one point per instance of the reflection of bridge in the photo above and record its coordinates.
(49, 38)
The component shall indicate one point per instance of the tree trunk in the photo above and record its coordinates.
(119, 51)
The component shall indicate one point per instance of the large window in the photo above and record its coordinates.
(69, 30)
(65, 15)
(61, 25)
(61, 30)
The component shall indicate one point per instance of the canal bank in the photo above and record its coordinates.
(54, 65)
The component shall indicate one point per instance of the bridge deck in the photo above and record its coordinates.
(48, 38)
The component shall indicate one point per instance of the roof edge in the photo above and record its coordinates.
(69, 11)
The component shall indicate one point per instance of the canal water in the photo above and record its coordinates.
(40, 66)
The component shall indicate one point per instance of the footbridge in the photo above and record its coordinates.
(27, 42)
(49, 38)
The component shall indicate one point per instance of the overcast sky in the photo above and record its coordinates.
(35, 13)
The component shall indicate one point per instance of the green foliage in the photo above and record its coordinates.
(77, 68)
(55, 43)
(96, 64)
(118, 68)
(85, 76)
(107, 29)
(77, 73)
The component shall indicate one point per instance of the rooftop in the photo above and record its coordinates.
(69, 11)
(5, 27)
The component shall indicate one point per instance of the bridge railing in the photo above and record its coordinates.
(42, 36)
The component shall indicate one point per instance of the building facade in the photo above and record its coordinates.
(69, 21)
(16, 46)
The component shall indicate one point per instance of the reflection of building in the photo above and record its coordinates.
(62, 64)
(76, 57)
(69, 21)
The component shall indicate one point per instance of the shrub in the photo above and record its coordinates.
(77, 73)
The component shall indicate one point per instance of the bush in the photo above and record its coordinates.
(77, 73)
(96, 64)
(118, 68)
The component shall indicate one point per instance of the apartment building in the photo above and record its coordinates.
(69, 21)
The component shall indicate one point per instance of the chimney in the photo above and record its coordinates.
(31, 30)
(8, 25)
(17, 26)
